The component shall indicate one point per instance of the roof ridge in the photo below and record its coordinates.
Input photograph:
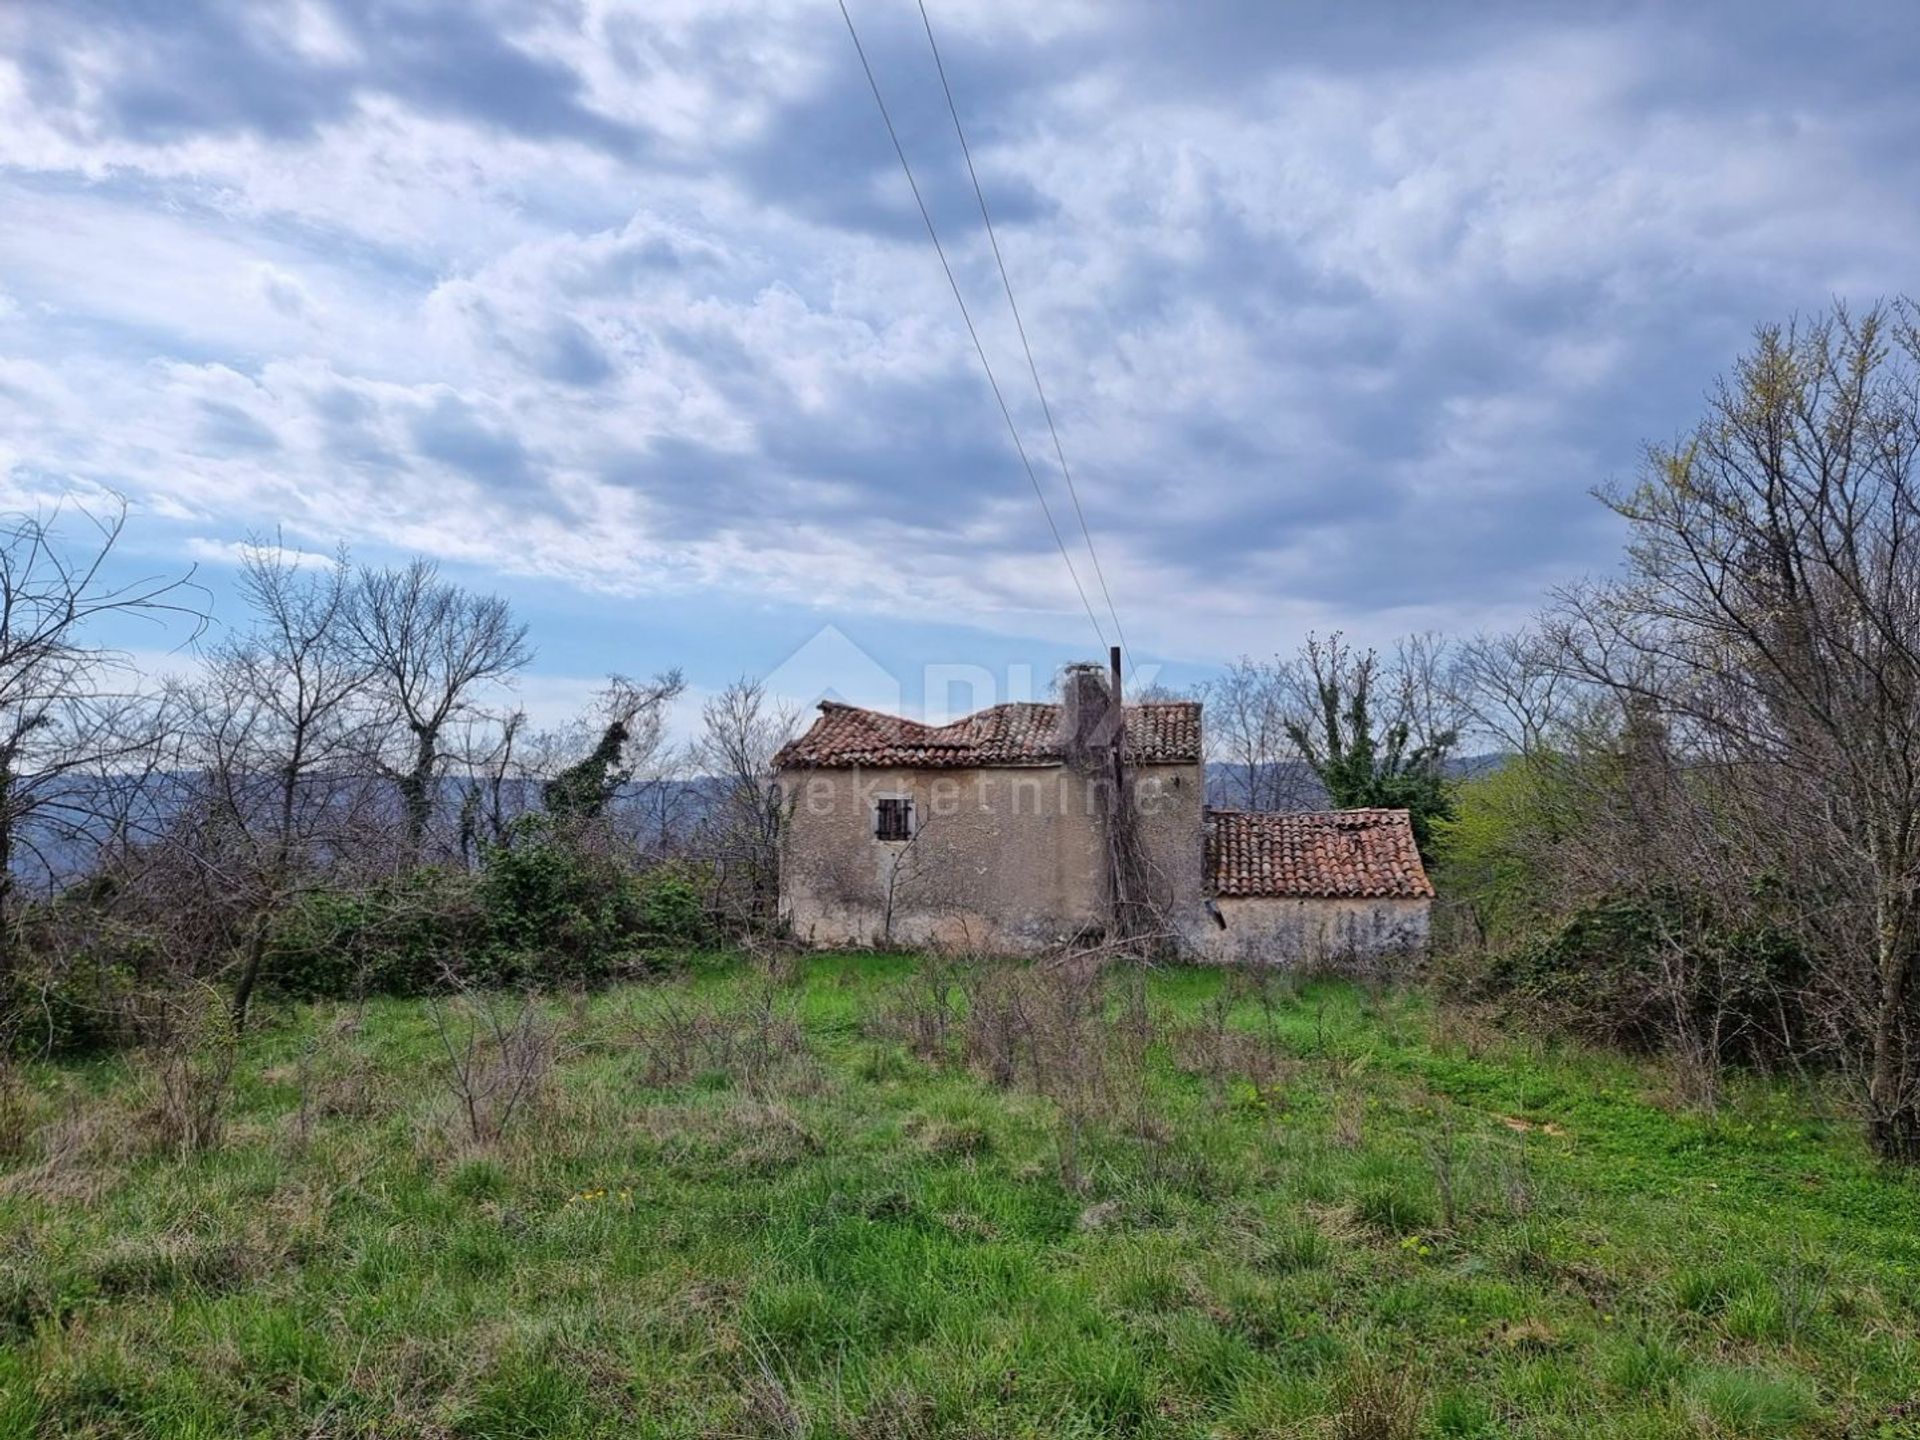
(1306, 814)
(1009, 732)
(830, 706)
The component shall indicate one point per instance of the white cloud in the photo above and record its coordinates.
(240, 552)
(1333, 338)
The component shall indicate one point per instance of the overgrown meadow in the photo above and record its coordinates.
(880, 1196)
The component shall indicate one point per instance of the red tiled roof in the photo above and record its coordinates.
(1358, 854)
(846, 736)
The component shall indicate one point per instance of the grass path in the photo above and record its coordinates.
(746, 1207)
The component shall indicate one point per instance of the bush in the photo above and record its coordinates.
(555, 913)
(70, 1006)
(82, 974)
(543, 912)
(1607, 973)
(551, 913)
(398, 937)
(671, 910)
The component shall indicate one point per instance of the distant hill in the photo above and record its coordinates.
(1292, 785)
(670, 812)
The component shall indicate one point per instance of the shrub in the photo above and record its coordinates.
(1608, 972)
(671, 910)
(399, 937)
(542, 912)
(499, 1056)
(75, 1004)
(553, 913)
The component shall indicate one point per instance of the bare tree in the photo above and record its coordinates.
(1512, 693)
(1771, 618)
(487, 751)
(78, 738)
(1421, 693)
(660, 811)
(1248, 705)
(905, 872)
(281, 741)
(741, 730)
(432, 646)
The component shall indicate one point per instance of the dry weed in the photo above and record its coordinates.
(334, 1080)
(752, 1041)
(1376, 1403)
(186, 1069)
(925, 1014)
(1051, 1029)
(18, 1113)
(80, 1156)
(498, 1058)
(1349, 1119)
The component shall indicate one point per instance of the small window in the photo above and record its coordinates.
(893, 818)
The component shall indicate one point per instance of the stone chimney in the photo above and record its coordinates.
(1087, 719)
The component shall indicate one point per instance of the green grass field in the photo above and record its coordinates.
(855, 1201)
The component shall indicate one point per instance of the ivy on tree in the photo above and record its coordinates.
(1363, 762)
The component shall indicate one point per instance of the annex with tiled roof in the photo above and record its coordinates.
(846, 736)
(1332, 855)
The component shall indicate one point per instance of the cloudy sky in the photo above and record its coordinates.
(625, 309)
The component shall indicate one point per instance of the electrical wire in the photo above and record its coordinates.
(1019, 324)
(979, 349)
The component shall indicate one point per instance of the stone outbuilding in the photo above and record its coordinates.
(1012, 830)
(1313, 888)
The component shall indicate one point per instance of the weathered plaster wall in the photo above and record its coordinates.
(1305, 932)
(1003, 859)
(1169, 806)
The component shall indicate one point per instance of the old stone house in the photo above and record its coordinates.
(1320, 886)
(1018, 827)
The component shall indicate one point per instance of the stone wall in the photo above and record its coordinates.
(1005, 859)
(1310, 932)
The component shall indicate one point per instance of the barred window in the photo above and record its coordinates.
(893, 818)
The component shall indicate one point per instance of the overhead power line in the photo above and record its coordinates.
(978, 349)
(1020, 325)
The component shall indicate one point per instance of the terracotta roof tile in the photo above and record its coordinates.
(1360, 854)
(846, 736)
